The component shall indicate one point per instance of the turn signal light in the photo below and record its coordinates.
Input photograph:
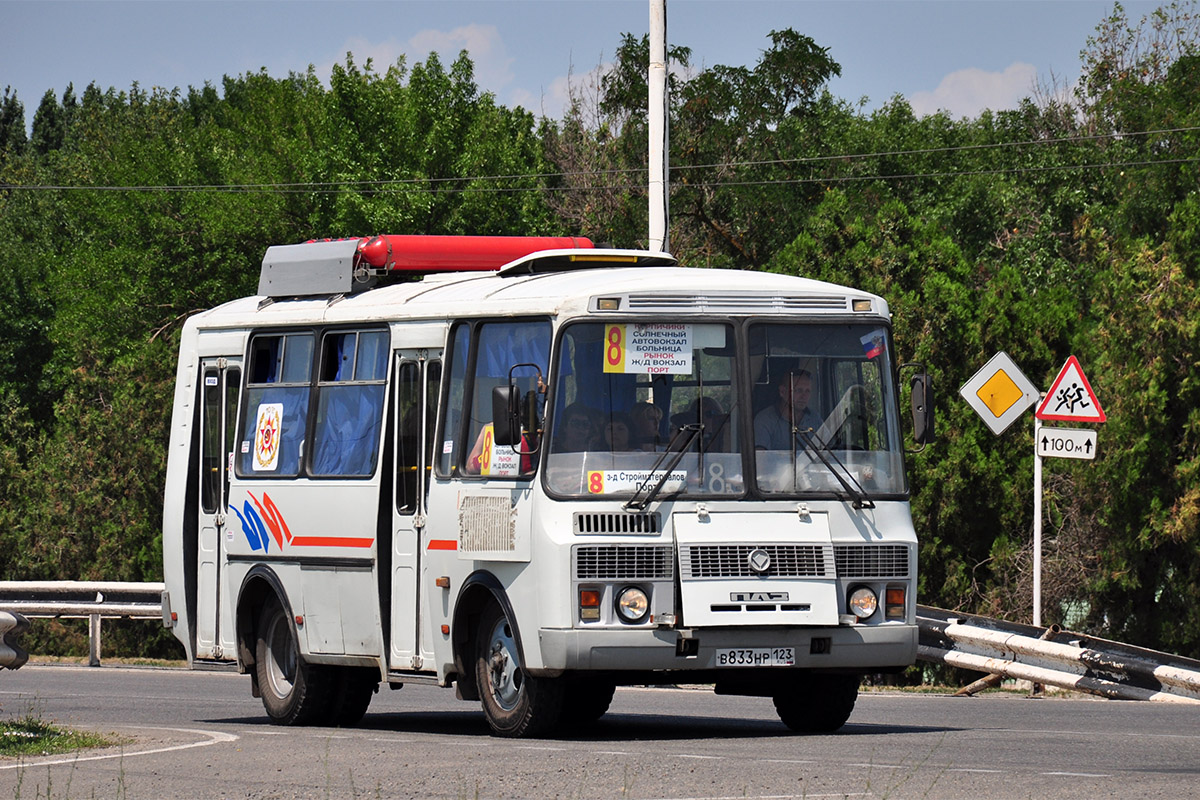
(894, 603)
(589, 604)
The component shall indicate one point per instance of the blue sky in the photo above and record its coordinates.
(958, 55)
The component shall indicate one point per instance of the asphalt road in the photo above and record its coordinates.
(201, 735)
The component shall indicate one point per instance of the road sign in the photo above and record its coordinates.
(1071, 398)
(1000, 393)
(1066, 443)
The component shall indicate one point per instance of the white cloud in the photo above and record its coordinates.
(493, 65)
(969, 91)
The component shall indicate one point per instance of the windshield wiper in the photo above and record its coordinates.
(692, 430)
(856, 492)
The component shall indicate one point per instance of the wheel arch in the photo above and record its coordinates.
(479, 589)
(258, 587)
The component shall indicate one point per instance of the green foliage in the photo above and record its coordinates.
(12, 125)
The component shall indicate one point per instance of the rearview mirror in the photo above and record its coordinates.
(922, 409)
(506, 422)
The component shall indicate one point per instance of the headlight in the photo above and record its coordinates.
(863, 602)
(632, 604)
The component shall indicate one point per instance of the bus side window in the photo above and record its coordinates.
(350, 403)
(408, 411)
(500, 347)
(276, 405)
(433, 393)
(451, 429)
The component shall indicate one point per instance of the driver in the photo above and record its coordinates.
(773, 425)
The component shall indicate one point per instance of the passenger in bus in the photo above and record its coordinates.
(576, 431)
(646, 420)
(617, 433)
(773, 425)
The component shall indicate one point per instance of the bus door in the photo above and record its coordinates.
(220, 380)
(418, 376)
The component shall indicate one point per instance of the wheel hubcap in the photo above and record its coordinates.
(504, 668)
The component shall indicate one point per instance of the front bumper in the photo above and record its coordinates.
(854, 647)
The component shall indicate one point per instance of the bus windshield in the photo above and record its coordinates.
(637, 404)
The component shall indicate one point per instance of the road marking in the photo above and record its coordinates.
(690, 755)
(1077, 774)
(215, 737)
(804, 796)
(537, 747)
(967, 769)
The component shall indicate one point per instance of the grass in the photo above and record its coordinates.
(31, 735)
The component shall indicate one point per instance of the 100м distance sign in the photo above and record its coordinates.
(1066, 443)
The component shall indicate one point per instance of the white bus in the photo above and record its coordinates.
(536, 470)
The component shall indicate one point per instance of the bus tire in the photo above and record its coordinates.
(294, 692)
(817, 703)
(586, 701)
(514, 703)
(352, 692)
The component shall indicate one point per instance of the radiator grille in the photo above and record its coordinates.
(731, 561)
(871, 560)
(623, 562)
(616, 523)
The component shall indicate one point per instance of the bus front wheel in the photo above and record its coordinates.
(817, 703)
(294, 692)
(516, 704)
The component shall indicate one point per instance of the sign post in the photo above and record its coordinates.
(1037, 525)
(1070, 399)
(1000, 394)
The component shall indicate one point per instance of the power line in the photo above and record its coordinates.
(433, 184)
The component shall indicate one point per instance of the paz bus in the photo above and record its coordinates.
(535, 470)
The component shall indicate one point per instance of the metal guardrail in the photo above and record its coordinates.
(1055, 657)
(90, 600)
(11, 654)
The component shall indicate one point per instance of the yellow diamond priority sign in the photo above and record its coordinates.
(999, 393)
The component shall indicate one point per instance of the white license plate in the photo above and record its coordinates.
(756, 657)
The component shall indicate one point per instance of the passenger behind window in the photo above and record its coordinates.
(617, 433)
(646, 419)
(576, 431)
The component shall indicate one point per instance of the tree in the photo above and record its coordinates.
(12, 125)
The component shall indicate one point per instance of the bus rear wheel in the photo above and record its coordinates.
(294, 692)
(515, 704)
(817, 703)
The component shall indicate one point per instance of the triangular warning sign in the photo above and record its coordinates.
(1071, 398)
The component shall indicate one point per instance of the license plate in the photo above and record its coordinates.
(756, 657)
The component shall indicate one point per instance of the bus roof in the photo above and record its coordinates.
(564, 283)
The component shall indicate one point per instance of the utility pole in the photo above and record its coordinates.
(659, 136)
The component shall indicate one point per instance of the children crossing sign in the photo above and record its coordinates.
(1071, 398)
